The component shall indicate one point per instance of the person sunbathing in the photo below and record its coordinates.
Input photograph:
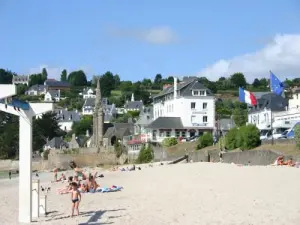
(62, 178)
(79, 173)
(279, 161)
(92, 184)
(289, 162)
(83, 188)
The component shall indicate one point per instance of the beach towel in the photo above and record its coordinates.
(111, 189)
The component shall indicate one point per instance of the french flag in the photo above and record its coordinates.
(247, 97)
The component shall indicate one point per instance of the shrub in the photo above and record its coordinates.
(146, 155)
(231, 139)
(297, 135)
(205, 140)
(249, 137)
(118, 149)
(167, 142)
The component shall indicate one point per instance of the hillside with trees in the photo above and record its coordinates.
(117, 91)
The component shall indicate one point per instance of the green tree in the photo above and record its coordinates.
(238, 80)
(249, 137)
(118, 149)
(77, 78)
(44, 74)
(231, 139)
(80, 128)
(6, 76)
(146, 154)
(36, 79)
(240, 116)
(205, 140)
(64, 75)
(158, 79)
(297, 135)
(170, 141)
(45, 128)
(256, 83)
(107, 83)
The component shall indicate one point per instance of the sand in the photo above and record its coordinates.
(195, 193)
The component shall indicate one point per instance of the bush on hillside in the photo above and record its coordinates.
(231, 139)
(146, 155)
(205, 140)
(297, 135)
(167, 142)
(246, 137)
(249, 137)
(118, 149)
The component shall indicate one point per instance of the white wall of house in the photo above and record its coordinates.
(66, 125)
(87, 110)
(194, 111)
(261, 119)
(89, 94)
(294, 102)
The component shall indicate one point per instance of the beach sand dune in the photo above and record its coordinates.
(197, 193)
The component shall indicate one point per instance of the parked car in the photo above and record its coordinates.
(193, 138)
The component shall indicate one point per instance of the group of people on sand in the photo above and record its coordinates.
(280, 162)
(132, 168)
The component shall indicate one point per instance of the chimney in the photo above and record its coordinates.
(175, 87)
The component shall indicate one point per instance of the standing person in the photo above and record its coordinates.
(55, 170)
(9, 174)
(76, 198)
(221, 156)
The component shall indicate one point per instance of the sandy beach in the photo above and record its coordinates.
(196, 193)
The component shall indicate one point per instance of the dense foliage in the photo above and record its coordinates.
(297, 135)
(170, 141)
(246, 137)
(44, 128)
(146, 154)
(205, 140)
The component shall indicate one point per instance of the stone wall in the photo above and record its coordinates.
(6, 165)
(280, 141)
(255, 157)
(82, 159)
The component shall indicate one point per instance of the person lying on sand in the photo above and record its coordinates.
(62, 178)
(79, 173)
(66, 189)
(289, 162)
(279, 161)
(114, 169)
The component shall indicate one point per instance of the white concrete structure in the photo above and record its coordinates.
(294, 102)
(182, 110)
(25, 111)
(35, 198)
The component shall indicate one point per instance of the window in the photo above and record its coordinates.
(202, 93)
(161, 133)
(195, 93)
(204, 105)
(204, 119)
(198, 93)
(177, 134)
(183, 133)
(193, 105)
(168, 134)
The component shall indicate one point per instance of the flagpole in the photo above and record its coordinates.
(272, 140)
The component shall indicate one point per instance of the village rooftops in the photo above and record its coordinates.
(166, 123)
(185, 88)
(56, 143)
(134, 105)
(67, 116)
(270, 101)
(90, 102)
(55, 83)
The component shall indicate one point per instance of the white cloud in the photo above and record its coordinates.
(281, 56)
(161, 35)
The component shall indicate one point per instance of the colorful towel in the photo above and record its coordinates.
(111, 189)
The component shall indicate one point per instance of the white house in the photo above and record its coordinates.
(88, 93)
(67, 118)
(268, 105)
(109, 110)
(21, 79)
(36, 90)
(52, 96)
(183, 110)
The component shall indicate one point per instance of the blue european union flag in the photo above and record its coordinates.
(276, 85)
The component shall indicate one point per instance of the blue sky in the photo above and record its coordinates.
(138, 40)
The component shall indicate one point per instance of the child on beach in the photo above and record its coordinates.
(76, 198)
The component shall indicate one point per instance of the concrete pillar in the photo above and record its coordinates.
(43, 205)
(25, 170)
(35, 198)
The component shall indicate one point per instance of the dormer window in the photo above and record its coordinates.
(199, 92)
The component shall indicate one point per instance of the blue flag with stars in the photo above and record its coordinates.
(276, 85)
